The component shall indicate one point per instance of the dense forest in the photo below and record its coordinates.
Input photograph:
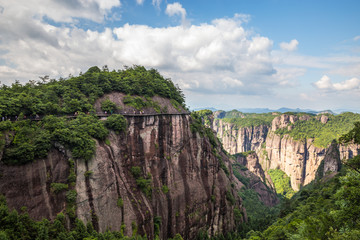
(240, 119)
(78, 94)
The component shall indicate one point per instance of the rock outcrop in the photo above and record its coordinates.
(180, 181)
(259, 181)
(236, 139)
(298, 159)
(331, 162)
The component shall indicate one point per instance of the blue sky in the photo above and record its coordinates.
(224, 54)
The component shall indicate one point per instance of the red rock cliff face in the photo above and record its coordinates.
(188, 189)
(30, 185)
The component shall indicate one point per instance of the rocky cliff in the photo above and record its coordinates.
(178, 179)
(235, 139)
(259, 180)
(298, 159)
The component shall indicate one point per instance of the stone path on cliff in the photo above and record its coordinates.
(141, 114)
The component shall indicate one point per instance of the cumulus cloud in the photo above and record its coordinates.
(215, 57)
(290, 46)
(350, 84)
(326, 84)
(176, 9)
(222, 47)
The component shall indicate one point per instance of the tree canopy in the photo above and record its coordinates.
(65, 96)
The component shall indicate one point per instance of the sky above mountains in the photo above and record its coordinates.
(224, 54)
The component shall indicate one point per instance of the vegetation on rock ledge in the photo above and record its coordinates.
(240, 119)
(323, 134)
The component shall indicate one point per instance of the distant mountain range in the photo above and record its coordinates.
(283, 110)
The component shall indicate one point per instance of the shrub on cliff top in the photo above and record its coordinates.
(108, 106)
(116, 122)
(79, 93)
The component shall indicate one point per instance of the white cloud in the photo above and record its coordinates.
(140, 2)
(231, 82)
(326, 84)
(291, 46)
(306, 97)
(351, 84)
(59, 11)
(176, 9)
(220, 56)
(156, 3)
(357, 38)
(346, 69)
(288, 76)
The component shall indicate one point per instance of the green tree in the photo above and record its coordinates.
(116, 122)
(108, 106)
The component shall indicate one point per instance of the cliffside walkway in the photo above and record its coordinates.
(100, 115)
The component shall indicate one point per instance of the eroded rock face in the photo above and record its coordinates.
(332, 159)
(188, 188)
(236, 139)
(259, 181)
(30, 185)
(298, 159)
(283, 121)
(349, 151)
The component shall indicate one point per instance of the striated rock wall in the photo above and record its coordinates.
(188, 188)
(298, 159)
(236, 139)
(260, 181)
(349, 151)
(30, 185)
